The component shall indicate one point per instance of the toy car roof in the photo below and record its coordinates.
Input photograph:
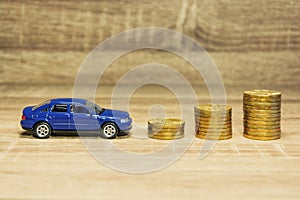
(68, 100)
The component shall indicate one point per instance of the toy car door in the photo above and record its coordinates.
(83, 119)
(59, 117)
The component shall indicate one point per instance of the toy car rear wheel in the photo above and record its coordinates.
(42, 130)
(109, 130)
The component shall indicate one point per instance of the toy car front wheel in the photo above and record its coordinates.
(109, 130)
(42, 130)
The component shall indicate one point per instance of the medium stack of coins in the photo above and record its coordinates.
(213, 122)
(166, 129)
(262, 114)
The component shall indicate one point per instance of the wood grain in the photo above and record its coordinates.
(238, 168)
(269, 70)
(254, 43)
(219, 25)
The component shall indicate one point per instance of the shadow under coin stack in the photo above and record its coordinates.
(166, 129)
(213, 122)
(262, 114)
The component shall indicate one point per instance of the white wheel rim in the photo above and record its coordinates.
(42, 130)
(109, 130)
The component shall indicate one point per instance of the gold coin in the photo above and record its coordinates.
(261, 137)
(166, 123)
(217, 133)
(166, 134)
(197, 110)
(166, 137)
(212, 123)
(212, 114)
(213, 118)
(263, 93)
(247, 125)
(208, 124)
(213, 108)
(261, 119)
(278, 115)
(213, 126)
(206, 137)
(215, 129)
(262, 134)
(253, 121)
(261, 103)
(165, 131)
(212, 111)
(154, 128)
(263, 123)
(204, 112)
(270, 98)
(261, 100)
(250, 103)
(256, 130)
(201, 114)
(254, 111)
(263, 115)
(213, 136)
(165, 128)
(217, 119)
(260, 116)
(258, 107)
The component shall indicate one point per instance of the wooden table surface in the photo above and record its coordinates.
(254, 43)
(61, 167)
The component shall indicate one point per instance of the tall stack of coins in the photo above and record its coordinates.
(213, 122)
(165, 129)
(262, 114)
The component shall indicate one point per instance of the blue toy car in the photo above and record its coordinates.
(67, 114)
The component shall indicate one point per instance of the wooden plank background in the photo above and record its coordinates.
(257, 40)
(219, 25)
(254, 43)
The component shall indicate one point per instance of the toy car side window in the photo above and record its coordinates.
(45, 109)
(80, 109)
(60, 108)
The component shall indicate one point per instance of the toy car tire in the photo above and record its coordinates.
(109, 130)
(42, 130)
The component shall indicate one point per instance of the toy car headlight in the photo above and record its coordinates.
(125, 120)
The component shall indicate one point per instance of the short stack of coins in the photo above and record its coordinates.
(213, 121)
(262, 114)
(166, 129)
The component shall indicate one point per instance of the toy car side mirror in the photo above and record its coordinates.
(90, 113)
